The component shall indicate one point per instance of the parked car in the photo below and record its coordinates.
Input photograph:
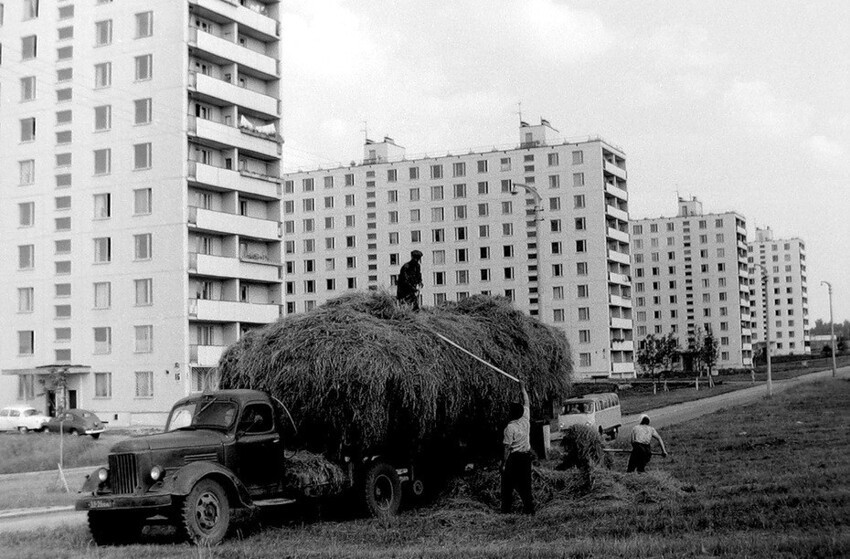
(22, 418)
(599, 411)
(76, 422)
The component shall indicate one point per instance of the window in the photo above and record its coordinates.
(103, 249)
(142, 156)
(582, 291)
(142, 201)
(29, 47)
(144, 24)
(143, 111)
(584, 336)
(102, 206)
(144, 292)
(103, 32)
(482, 166)
(30, 9)
(578, 201)
(63, 117)
(459, 169)
(102, 161)
(26, 214)
(505, 164)
(578, 179)
(144, 67)
(26, 257)
(102, 75)
(554, 203)
(436, 171)
(102, 340)
(28, 129)
(25, 299)
(26, 172)
(144, 384)
(28, 88)
(584, 359)
(102, 295)
(103, 385)
(460, 191)
(578, 157)
(26, 342)
(144, 339)
(63, 159)
(64, 53)
(581, 268)
(62, 246)
(581, 245)
(436, 192)
(554, 181)
(552, 159)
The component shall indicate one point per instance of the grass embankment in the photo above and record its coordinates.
(767, 480)
(40, 451)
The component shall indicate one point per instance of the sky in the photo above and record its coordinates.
(743, 104)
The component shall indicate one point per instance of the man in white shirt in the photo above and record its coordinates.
(516, 463)
(642, 435)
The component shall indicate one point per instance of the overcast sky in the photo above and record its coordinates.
(744, 104)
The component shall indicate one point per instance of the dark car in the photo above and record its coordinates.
(76, 422)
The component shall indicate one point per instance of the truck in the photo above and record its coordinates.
(224, 453)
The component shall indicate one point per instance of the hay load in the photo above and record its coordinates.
(360, 371)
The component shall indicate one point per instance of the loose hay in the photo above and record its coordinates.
(306, 470)
(361, 371)
(582, 447)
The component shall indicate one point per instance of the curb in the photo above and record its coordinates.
(18, 513)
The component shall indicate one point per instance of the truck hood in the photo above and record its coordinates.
(173, 440)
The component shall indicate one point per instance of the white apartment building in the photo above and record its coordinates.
(691, 277)
(544, 222)
(141, 198)
(781, 262)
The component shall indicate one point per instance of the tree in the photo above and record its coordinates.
(705, 351)
(657, 353)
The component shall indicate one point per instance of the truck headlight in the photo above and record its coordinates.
(103, 474)
(156, 473)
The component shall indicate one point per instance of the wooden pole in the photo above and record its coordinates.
(495, 368)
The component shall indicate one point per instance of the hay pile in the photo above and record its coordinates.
(313, 473)
(582, 448)
(361, 371)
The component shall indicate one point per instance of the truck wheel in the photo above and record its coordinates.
(23, 430)
(382, 490)
(205, 513)
(95, 436)
(74, 432)
(114, 527)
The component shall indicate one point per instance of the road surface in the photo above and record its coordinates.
(50, 517)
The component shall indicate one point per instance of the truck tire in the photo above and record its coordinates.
(204, 515)
(23, 430)
(382, 490)
(114, 527)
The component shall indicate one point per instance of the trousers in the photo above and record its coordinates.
(517, 476)
(639, 458)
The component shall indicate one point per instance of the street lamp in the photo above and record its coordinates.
(538, 199)
(767, 319)
(831, 325)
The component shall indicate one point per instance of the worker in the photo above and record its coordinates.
(642, 435)
(410, 280)
(516, 463)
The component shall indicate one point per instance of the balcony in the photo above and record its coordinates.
(615, 233)
(266, 66)
(614, 170)
(264, 26)
(622, 279)
(232, 311)
(234, 224)
(624, 368)
(746, 347)
(623, 345)
(226, 267)
(620, 301)
(267, 188)
(616, 212)
(245, 140)
(616, 191)
(205, 355)
(625, 323)
(213, 88)
(620, 257)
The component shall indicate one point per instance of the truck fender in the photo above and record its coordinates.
(183, 480)
(92, 483)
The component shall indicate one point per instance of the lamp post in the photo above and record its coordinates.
(538, 199)
(831, 326)
(765, 279)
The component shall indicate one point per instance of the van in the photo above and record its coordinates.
(600, 411)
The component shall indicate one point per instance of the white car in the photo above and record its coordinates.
(22, 418)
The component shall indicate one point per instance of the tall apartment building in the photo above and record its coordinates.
(691, 277)
(543, 222)
(141, 229)
(782, 263)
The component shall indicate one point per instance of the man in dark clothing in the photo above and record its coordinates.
(410, 280)
(516, 464)
(642, 435)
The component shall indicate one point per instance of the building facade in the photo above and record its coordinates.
(141, 219)
(691, 278)
(781, 263)
(544, 223)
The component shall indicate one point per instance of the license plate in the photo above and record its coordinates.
(100, 504)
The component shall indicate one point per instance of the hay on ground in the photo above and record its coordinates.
(313, 473)
(361, 371)
(582, 448)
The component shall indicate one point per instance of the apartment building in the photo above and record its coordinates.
(543, 222)
(141, 198)
(781, 263)
(691, 278)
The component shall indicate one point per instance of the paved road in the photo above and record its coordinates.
(37, 519)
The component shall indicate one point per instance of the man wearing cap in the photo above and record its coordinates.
(410, 280)
(516, 464)
(642, 435)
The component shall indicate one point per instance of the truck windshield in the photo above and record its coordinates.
(200, 414)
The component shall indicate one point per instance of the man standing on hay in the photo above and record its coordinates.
(516, 464)
(410, 280)
(642, 435)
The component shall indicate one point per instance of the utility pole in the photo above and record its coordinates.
(831, 326)
(766, 280)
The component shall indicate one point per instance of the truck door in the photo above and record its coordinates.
(258, 448)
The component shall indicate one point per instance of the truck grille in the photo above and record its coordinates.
(122, 471)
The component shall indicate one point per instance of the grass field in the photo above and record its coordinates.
(40, 451)
(640, 398)
(768, 480)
